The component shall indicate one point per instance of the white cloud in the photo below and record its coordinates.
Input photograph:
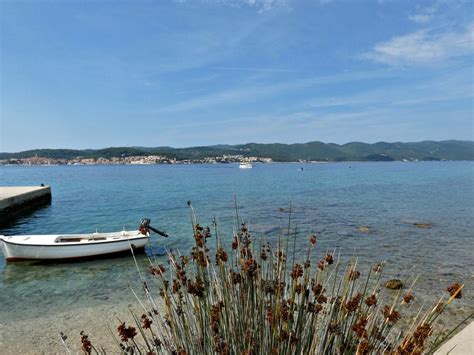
(423, 15)
(420, 18)
(424, 47)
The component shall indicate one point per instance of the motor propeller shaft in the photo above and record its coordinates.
(145, 225)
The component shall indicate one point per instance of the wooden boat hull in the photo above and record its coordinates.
(17, 250)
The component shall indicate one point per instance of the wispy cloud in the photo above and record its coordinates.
(437, 9)
(362, 124)
(424, 14)
(387, 98)
(260, 5)
(452, 86)
(259, 91)
(259, 70)
(424, 47)
(420, 18)
(324, 2)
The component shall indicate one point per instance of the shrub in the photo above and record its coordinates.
(264, 299)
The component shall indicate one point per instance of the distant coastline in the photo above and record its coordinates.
(132, 160)
(251, 152)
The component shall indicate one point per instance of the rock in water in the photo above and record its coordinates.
(422, 225)
(394, 284)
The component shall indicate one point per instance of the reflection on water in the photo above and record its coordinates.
(22, 215)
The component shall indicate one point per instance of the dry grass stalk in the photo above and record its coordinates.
(253, 300)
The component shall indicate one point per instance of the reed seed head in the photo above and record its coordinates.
(454, 290)
(390, 314)
(125, 332)
(408, 297)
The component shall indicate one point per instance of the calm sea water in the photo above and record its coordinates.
(333, 200)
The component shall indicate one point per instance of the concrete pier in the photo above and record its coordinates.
(460, 344)
(15, 200)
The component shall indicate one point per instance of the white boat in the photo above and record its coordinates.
(74, 246)
(245, 166)
(69, 246)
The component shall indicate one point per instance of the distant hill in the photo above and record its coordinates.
(311, 151)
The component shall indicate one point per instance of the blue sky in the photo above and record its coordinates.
(90, 74)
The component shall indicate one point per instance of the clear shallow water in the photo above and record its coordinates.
(330, 199)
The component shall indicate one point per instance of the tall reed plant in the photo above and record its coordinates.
(260, 297)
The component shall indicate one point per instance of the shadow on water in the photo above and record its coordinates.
(82, 259)
(26, 271)
(155, 250)
(23, 216)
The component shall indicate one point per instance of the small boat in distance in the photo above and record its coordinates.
(75, 246)
(245, 166)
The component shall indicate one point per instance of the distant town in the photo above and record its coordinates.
(248, 153)
(133, 160)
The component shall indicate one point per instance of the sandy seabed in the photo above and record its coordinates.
(40, 335)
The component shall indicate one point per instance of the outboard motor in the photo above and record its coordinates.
(145, 228)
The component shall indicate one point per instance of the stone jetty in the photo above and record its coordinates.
(15, 200)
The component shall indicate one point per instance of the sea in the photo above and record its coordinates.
(364, 211)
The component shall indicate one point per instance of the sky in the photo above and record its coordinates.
(94, 74)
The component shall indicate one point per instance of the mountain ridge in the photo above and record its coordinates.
(309, 151)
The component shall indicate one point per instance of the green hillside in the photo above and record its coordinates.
(311, 151)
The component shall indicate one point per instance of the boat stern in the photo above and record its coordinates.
(3, 246)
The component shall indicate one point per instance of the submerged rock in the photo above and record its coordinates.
(394, 284)
(101, 297)
(422, 225)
